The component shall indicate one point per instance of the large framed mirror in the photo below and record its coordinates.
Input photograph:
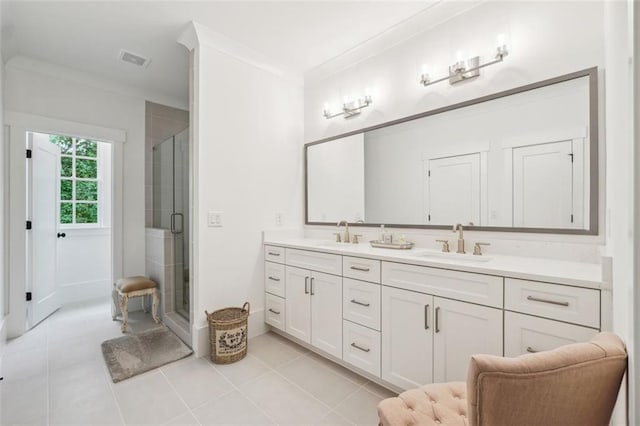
(523, 160)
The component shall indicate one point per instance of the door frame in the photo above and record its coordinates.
(19, 124)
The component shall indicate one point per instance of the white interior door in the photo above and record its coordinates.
(454, 190)
(543, 186)
(43, 172)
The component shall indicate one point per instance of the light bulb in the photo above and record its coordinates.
(326, 106)
(459, 56)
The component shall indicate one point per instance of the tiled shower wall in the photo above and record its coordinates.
(161, 122)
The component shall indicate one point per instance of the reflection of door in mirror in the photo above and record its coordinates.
(453, 186)
(547, 182)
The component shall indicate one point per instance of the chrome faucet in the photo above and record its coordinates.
(346, 230)
(458, 227)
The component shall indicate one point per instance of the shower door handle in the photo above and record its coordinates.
(173, 223)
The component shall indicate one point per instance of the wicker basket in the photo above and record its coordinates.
(228, 332)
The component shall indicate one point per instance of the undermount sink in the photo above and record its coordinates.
(332, 244)
(467, 257)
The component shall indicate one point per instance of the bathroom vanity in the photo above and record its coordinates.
(411, 317)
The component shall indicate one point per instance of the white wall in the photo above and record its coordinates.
(619, 182)
(247, 163)
(4, 151)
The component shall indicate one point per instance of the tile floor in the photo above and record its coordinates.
(55, 375)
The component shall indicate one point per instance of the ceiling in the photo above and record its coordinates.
(88, 36)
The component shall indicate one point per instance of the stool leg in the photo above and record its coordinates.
(125, 313)
(154, 311)
(115, 304)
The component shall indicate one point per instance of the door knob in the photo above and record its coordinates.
(61, 235)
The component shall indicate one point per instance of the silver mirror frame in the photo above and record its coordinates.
(594, 173)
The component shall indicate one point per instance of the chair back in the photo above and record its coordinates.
(575, 384)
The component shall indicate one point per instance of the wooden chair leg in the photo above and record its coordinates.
(154, 311)
(115, 304)
(125, 313)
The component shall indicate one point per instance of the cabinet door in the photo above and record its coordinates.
(326, 312)
(407, 337)
(298, 312)
(460, 331)
(526, 334)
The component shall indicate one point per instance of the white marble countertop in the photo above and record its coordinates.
(530, 268)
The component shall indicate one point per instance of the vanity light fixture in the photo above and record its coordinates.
(349, 108)
(463, 70)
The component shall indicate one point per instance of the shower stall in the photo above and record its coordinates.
(171, 212)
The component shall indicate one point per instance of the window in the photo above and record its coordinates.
(79, 183)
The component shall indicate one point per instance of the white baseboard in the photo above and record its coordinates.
(202, 346)
(87, 290)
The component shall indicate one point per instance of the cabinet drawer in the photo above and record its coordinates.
(274, 278)
(571, 304)
(526, 334)
(361, 347)
(361, 269)
(315, 261)
(361, 303)
(274, 311)
(465, 286)
(274, 254)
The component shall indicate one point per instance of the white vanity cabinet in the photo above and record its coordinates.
(406, 324)
(314, 308)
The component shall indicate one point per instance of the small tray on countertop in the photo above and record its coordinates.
(397, 246)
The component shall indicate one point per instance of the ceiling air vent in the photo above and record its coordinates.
(134, 59)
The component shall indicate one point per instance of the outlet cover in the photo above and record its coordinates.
(214, 219)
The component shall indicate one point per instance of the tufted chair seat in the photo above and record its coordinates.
(573, 385)
(438, 404)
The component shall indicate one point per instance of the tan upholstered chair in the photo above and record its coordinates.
(573, 385)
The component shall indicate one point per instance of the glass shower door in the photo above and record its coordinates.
(171, 208)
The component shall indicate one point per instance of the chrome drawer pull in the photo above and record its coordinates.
(273, 254)
(553, 302)
(361, 348)
(437, 319)
(357, 268)
(360, 303)
(274, 279)
(271, 310)
(531, 351)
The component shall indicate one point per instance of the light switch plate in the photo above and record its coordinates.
(214, 219)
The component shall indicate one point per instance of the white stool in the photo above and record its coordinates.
(126, 288)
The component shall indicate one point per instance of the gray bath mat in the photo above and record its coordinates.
(130, 355)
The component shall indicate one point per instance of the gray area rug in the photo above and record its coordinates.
(134, 354)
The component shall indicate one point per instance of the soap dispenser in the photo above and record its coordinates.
(385, 236)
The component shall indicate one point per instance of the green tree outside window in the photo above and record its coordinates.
(78, 179)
